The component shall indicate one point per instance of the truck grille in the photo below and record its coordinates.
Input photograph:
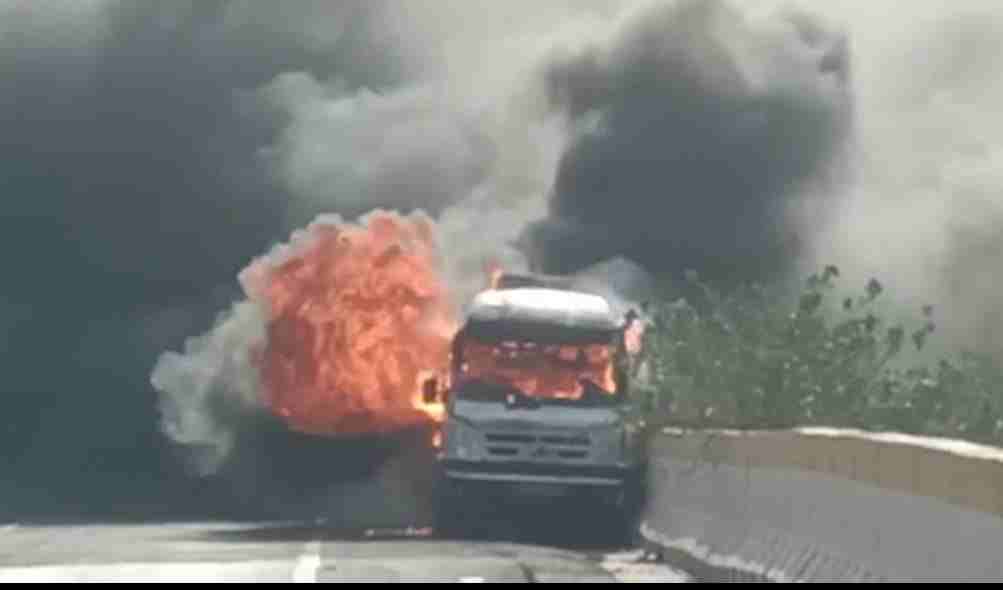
(532, 447)
(579, 441)
(510, 438)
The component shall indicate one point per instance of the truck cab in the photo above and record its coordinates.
(538, 403)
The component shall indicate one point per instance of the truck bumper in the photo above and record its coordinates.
(537, 473)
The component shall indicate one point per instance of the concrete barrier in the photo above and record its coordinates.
(825, 505)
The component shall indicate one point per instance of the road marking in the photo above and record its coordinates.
(308, 564)
(633, 567)
(249, 571)
(472, 580)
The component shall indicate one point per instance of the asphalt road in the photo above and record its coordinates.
(225, 552)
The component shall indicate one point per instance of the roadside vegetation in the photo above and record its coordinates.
(758, 358)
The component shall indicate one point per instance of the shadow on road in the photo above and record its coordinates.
(565, 526)
(315, 489)
(291, 533)
(565, 523)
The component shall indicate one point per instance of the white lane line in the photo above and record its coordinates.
(632, 567)
(9, 528)
(209, 572)
(471, 580)
(308, 564)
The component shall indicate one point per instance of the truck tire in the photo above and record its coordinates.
(629, 510)
(456, 514)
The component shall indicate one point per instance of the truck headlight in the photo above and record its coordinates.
(461, 440)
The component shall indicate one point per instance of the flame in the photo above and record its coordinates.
(540, 370)
(359, 316)
(494, 272)
(434, 410)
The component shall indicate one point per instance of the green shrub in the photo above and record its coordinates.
(758, 358)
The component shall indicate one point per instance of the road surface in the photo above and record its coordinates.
(222, 552)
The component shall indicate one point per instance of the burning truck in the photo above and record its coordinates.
(359, 368)
(538, 403)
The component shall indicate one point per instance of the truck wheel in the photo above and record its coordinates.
(628, 511)
(454, 518)
(461, 512)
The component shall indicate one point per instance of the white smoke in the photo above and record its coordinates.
(923, 209)
(352, 151)
(210, 388)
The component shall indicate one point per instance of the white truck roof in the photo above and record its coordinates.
(536, 305)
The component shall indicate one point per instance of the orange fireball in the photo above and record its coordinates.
(358, 316)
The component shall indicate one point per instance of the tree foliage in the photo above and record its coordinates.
(757, 358)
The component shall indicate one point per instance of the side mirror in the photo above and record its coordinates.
(430, 390)
(633, 333)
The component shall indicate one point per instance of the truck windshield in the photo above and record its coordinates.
(542, 371)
